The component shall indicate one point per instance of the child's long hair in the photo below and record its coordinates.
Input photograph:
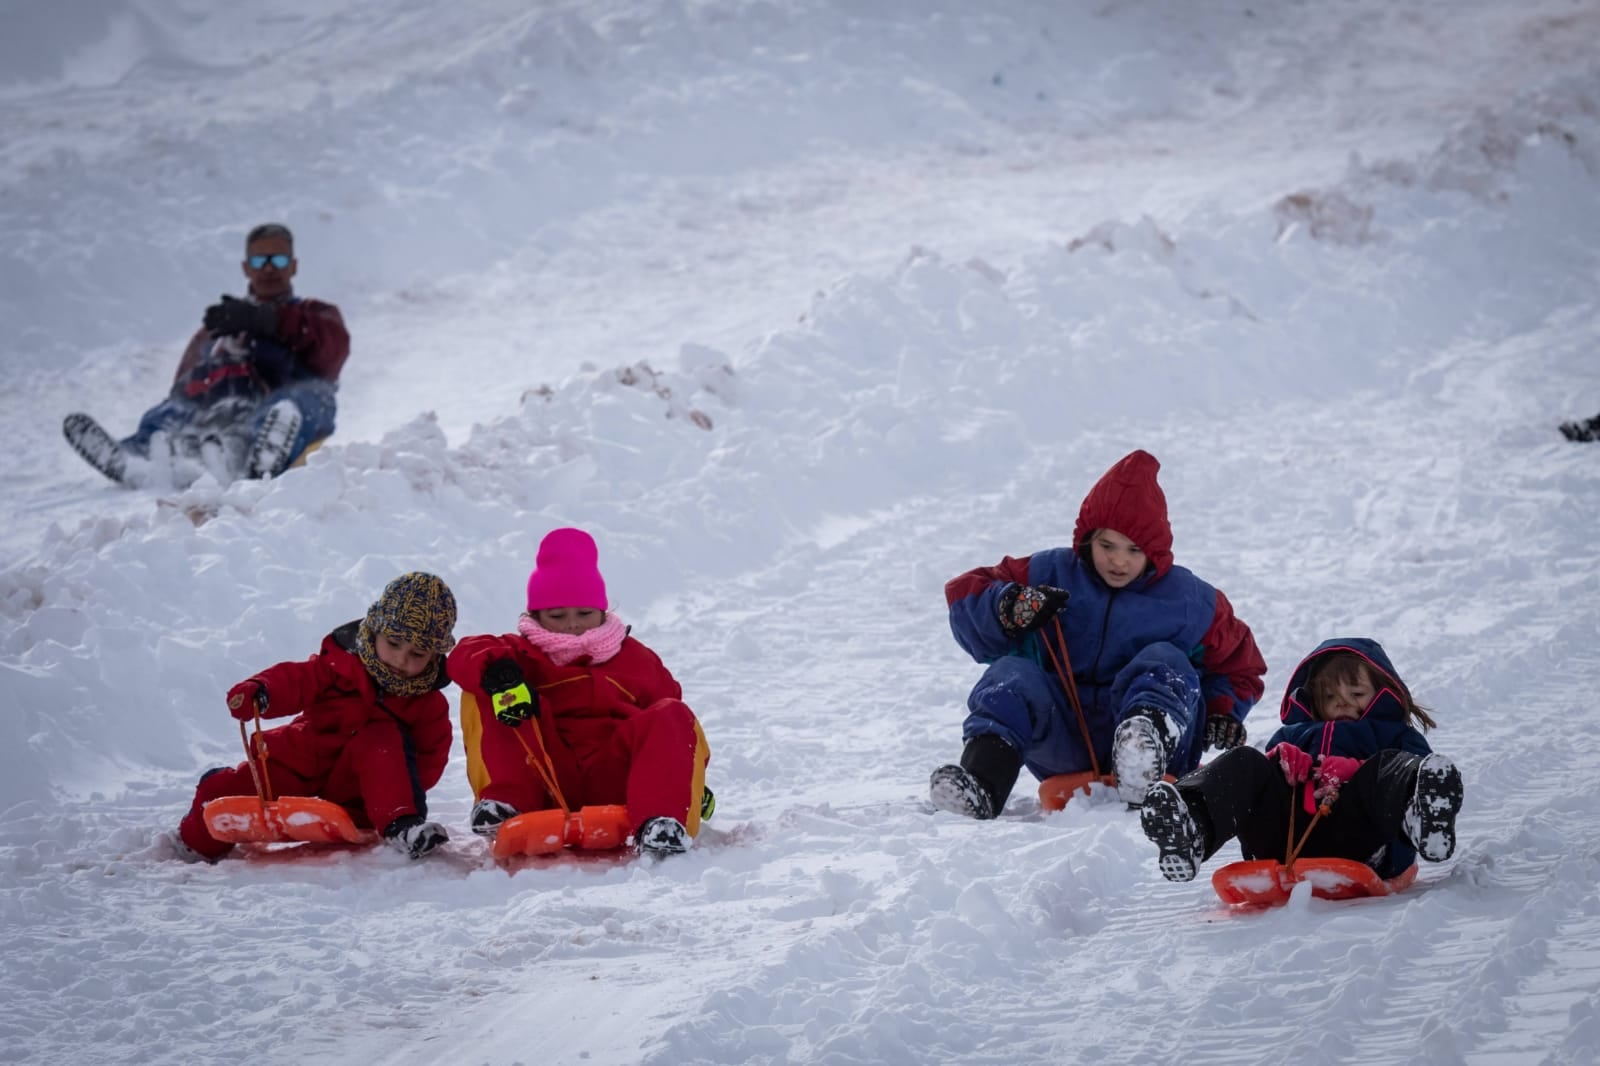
(1344, 667)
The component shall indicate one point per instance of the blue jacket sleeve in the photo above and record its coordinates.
(973, 600)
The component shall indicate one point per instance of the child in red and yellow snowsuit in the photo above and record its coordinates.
(572, 711)
(372, 731)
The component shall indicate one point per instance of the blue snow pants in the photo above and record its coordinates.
(315, 397)
(1024, 704)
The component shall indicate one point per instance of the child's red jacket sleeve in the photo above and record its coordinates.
(1231, 664)
(292, 686)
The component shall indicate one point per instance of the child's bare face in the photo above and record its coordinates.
(1117, 559)
(569, 620)
(402, 656)
(1345, 699)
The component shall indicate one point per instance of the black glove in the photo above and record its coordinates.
(234, 315)
(1223, 731)
(1024, 608)
(514, 702)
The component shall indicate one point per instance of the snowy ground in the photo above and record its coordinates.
(924, 273)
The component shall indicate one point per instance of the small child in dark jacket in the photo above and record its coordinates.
(371, 732)
(1347, 743)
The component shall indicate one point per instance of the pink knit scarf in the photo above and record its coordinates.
(599, 643)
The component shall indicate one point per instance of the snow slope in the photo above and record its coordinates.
(803, 311)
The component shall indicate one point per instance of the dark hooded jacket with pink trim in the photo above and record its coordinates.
(1382, 726)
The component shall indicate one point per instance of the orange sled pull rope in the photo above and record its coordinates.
(1055, 791)
(594, 828)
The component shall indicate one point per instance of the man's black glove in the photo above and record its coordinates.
(1224, 731)
(514, 702)
(234, 315)
(1024, 608)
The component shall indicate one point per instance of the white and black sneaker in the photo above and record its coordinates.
(661, 836)
(487, 815)
(97, 447)
(1140, 749)
(1430, 818)
(953, 788)
(413, 836)
(1166, 820)
(269, 451)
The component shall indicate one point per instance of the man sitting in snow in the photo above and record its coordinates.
(273, 357)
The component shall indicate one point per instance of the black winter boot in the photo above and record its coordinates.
(411, 835)
(1140, 750)
(1171, 826)
(978, 788)
(661, 836)
(1430, 818)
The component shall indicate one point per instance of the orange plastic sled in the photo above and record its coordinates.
(287, 819)
(547, 832)
(1268, 883)
(1054, 792)
(263, 819)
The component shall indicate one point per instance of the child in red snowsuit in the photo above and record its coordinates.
(570, 711)
(372, 728)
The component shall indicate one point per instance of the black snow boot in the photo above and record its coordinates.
(411, 835)
(661, 836)
(1430, 818)
(96, 447)
(1140, 750)
(269, 452)
(978, 788)
(1171, 826)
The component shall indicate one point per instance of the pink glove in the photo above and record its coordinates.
(242, 699)
(1332, 772)
(1296, 763)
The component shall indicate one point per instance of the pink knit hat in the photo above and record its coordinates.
(567, 573)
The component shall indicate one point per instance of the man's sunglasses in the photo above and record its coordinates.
(280, 261)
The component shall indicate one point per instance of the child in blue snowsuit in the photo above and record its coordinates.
(1160, 666)
(1348, 742)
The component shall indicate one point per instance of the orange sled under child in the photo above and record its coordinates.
(1268, 882)
(1055, 791)
(263, 819)
(596, 828)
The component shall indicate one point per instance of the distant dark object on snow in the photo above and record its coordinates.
(1587, 430)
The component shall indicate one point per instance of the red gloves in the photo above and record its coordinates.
(1296, 763)
(1332, 772)
(243, 699)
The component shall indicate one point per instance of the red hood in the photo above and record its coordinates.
(1128, 500)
